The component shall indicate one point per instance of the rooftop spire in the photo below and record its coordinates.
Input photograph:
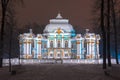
(59, 16)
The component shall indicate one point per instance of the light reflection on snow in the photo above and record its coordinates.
(16, 61)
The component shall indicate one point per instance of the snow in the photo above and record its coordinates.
(16, 61)
(60, 72)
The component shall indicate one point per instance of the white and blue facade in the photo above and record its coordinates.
(59, 41)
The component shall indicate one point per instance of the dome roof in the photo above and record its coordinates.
(59, 22)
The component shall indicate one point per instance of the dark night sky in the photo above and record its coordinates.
(40, 11)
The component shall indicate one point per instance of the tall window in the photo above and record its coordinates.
(66, 44)
(58, 44)
(51, 44)
(45, 46)
(42, 45)
(72, 45)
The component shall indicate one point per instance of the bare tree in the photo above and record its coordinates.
(113, 2)
(11, 22)
(107, 21)
(99, 22)
(103, 34)
(4, 7)
(108, 33)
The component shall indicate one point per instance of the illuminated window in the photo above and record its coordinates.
(51, 44)
(51, 55)
(66, 55)
(42, 45)
(58, 55)
(66, 44)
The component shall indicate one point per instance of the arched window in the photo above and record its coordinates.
(66, 44)
(58, 44)
(51, 44)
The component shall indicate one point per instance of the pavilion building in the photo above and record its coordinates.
(59, 41)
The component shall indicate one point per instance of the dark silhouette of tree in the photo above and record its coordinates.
(107, 21)
(11, 22)
(99, 23)
(108, 33)
(4, 5)
(115, 29)
(103, 34)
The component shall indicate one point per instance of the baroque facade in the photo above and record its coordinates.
(59, 41)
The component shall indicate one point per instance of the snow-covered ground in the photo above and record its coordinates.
(16, 61)
(60, 72)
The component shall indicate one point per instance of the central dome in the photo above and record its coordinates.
(57, 23)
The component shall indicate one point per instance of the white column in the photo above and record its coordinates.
(55, 45)
(29, 44)
(87, 47)
(92, 52)
(30, 48)
(93, 49)
(40, 49)
(37, 49)
(69, 44)
(34, 48)
(24, 48)
(34, 44)
(80, 48)
(27, 48)
(48, 44)
(62, 43)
